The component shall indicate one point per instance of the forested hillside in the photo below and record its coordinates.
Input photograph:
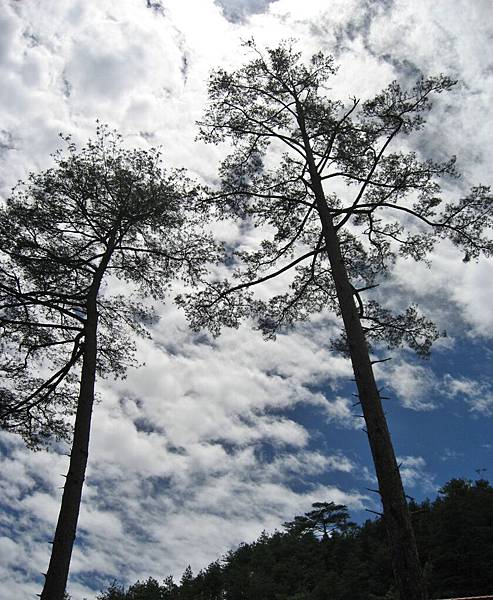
(349, 562)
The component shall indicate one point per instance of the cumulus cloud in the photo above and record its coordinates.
(415, 385)
(478, 395)
(414, 473)
(418, 387)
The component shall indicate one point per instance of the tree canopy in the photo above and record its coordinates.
(291, 140)
(324, 518)
(102, 214)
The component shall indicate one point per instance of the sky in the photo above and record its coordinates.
(214, 440)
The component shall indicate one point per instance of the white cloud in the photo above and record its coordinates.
(419, 388)
(415, 385)
(414, 474)
(341, 410)
(454, 294)
(478, 395)
(449, 454)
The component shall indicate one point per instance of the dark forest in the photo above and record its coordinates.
(454, 534)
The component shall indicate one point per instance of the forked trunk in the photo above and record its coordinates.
(56, 577)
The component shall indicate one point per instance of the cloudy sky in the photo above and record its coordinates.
(212, 442)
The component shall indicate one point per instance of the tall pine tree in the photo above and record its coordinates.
(102, 215)
(340, 204)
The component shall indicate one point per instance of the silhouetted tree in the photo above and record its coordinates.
(186, 584)
(170, 588)
(102, 214)
(321, 176)
(323, 519)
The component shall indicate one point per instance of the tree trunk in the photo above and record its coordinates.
(408, 574)
(56, 577)
(63, 542)
(405, 560)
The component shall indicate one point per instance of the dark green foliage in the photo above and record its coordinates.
(148, 590)
(454, 533)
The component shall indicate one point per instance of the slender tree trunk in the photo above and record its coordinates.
(405, 560)
(56, 577)
(407, 570)
(63, 542)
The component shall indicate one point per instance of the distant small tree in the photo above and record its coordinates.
(323, 519)
(187, 576)
(337, 206)
(102, 215)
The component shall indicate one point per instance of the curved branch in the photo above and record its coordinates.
(50, 384)
(248, 284)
